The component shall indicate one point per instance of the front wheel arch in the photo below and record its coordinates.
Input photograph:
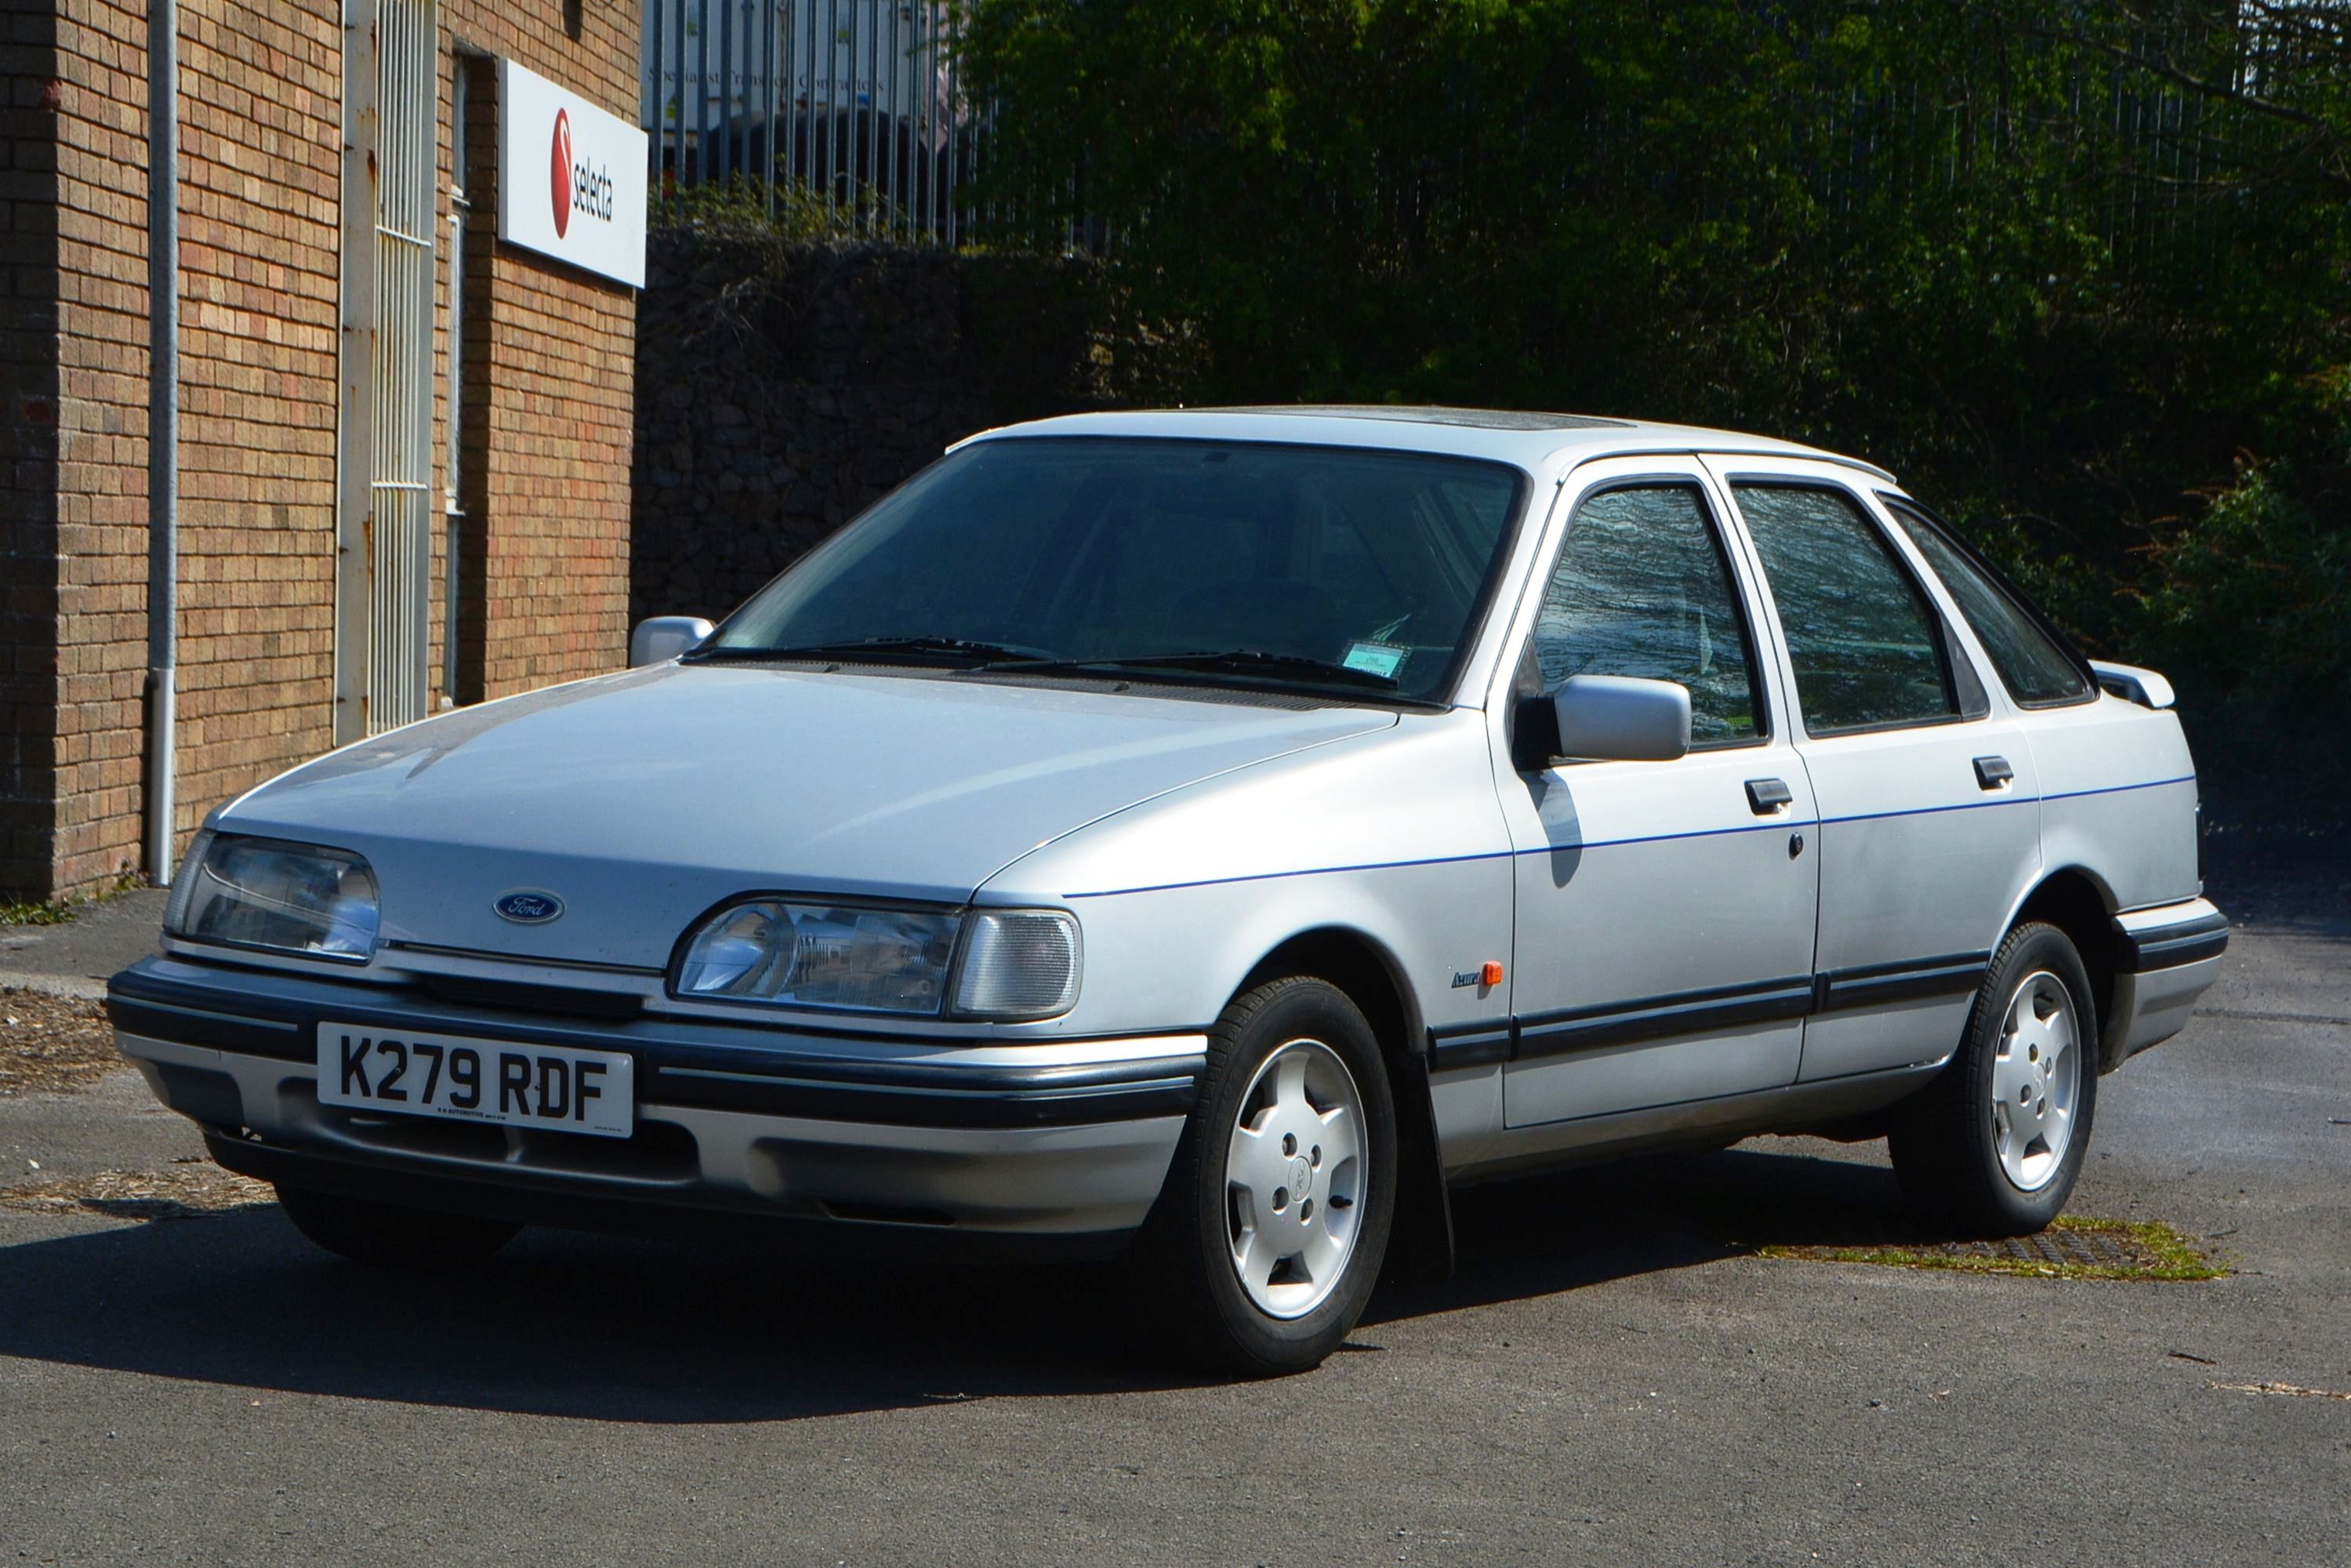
(1358, 965)
(1421, 1246)
(1192, 1270)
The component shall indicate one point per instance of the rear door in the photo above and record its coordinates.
(1929, 808)
(2117, 792)
(1663, 939)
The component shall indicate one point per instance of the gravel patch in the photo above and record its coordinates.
(191, 1189)
(51, 1044)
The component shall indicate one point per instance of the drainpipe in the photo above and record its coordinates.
(162, 429)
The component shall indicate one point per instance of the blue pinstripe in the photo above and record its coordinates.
(1777, 825)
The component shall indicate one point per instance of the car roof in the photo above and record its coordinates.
(1530, 440)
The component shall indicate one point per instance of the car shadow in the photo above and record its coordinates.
(1641, 1216)
(624, 1330)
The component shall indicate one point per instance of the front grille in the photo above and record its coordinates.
(511, 996)
(655, 1151)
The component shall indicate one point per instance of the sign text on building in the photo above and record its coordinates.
(572, 178)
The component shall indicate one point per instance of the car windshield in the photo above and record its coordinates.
(1342, 569)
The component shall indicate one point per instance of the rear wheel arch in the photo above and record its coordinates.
(2078, 903)
(1993, 1144)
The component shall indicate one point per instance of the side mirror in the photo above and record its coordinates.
(1622, 719)
(664, 637)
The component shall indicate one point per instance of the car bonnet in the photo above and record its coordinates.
(638, 801)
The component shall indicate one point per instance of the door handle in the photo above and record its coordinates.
(1767, 795)
(1993, 772)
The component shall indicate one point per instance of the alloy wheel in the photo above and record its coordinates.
(1295, 1172)
(2036, 1080)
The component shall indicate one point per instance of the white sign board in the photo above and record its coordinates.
(572, 178)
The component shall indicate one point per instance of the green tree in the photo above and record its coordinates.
(2062, 264)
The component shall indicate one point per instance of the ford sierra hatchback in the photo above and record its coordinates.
(1214, 837)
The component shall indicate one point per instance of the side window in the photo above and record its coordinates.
(1642, 589)
(1861, 633)
(2035, 670)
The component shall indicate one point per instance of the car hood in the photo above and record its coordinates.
(642, 800)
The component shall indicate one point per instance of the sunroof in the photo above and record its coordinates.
(1473, 418)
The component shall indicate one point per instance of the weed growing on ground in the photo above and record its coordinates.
(2133, 1250)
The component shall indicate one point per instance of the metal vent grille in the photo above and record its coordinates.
(400, 543)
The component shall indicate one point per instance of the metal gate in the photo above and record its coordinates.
(855, 105)
(383, 598)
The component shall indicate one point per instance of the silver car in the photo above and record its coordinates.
(1215, 838)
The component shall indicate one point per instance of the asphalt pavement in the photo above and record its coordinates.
(1613, 1374)
(74, 957)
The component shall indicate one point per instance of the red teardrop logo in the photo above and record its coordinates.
(562, 172)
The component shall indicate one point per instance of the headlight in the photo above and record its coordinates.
(869, 958)
(1018, 963)
(877, 959)
(287, 898)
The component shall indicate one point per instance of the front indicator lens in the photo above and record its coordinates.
(863, 958)
(284, 897)
(1018, 964)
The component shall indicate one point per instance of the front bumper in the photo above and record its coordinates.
(1067, 1142)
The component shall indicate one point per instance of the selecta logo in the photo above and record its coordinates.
(562, 174)
(579, 185)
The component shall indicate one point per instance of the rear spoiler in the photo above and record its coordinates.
(2132, 684)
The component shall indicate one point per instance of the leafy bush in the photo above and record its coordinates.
(2080, 273)
(2249, 601)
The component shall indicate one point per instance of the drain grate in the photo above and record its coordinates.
(2072, 1249)
(2065, 1248)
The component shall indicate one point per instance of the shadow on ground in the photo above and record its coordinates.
(622, 1330)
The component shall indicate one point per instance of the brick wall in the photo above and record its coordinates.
(261, 136)
(28, 444)
(550, 387)
(261, 127)
(101, 470)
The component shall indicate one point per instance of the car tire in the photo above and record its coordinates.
(1269, 1236)
(1993, 1145)
(388, 1236)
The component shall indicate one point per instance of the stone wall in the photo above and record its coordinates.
(783, 388)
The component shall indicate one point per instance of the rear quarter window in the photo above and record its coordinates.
(2035, 668)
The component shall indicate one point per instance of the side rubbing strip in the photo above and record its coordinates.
(1709, 1012)
(1687, 1012)
(1876, 985)
(1469, 1045)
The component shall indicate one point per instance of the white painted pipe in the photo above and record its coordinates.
(162, 432)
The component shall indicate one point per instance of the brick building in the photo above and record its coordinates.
(381, 400)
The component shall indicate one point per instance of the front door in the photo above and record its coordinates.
(1664, 945)
(1929, 807)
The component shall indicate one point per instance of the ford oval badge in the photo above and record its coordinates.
(529, 908)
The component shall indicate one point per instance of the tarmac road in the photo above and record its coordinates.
(1614, 1375)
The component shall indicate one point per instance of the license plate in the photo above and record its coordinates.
(491, 1081)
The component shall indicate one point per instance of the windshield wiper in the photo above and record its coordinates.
(960, 648)
(1230, 661)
